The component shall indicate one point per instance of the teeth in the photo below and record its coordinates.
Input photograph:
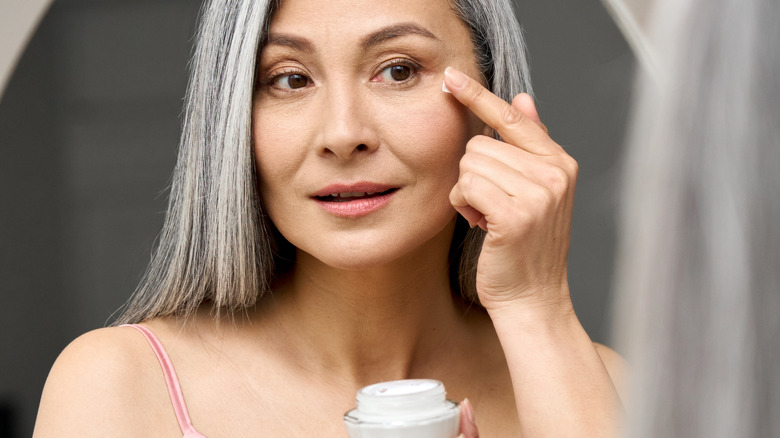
(352, 194)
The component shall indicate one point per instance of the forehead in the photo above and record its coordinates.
(346, 19)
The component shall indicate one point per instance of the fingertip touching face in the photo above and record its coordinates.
(357, 146)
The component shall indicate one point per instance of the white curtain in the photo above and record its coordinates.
(634, 19)
(18, 21)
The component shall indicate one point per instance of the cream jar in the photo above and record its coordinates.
(403, 408)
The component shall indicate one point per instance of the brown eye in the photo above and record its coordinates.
(297, 81)
(400, 72)
(292, 82)
(397, 73)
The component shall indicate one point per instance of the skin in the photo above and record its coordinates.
(369, 298)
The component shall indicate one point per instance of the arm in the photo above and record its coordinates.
(521, 191)
(562, 387)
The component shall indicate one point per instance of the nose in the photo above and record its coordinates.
(346, 128)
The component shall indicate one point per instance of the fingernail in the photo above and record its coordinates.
(457, 79)
(444, 88)
(469, 410)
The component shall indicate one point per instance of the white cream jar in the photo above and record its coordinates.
(403, 408)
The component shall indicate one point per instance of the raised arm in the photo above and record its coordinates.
(521, 191)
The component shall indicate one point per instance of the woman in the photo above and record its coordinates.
(313, 243)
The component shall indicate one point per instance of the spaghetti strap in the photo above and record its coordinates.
(171, 381)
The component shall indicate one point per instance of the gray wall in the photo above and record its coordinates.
(88, 131)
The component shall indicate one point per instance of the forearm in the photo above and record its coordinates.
(561, 386)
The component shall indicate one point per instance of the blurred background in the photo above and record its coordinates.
(89, 125)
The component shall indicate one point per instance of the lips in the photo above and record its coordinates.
(354, 200)
(352, 196)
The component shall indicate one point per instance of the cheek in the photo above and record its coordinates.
(275, 154)
(431, 133)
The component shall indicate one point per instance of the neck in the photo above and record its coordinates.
(386, 323)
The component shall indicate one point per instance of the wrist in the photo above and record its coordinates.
(539, 300)
(533, 315)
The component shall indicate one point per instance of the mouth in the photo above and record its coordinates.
(352, 196)
(354, 200)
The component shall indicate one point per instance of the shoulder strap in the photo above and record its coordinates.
(171, 380)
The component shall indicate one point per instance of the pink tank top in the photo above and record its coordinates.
(174, 389)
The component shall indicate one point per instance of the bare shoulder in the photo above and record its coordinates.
(616, 366)
(101, 385)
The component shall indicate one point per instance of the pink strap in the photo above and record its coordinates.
(174, 389)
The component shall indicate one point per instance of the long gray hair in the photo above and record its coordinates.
(217, 243)
(698, 286)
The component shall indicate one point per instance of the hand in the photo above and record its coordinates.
(468, 428)
(521, 191)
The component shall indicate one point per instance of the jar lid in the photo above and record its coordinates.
(401, 400)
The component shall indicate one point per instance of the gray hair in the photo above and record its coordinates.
(217, 243)
(698, 284)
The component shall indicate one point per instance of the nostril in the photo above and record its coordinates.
(345, 151)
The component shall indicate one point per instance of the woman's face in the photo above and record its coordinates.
(349, 103)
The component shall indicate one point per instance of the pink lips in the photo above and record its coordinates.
(354, 200)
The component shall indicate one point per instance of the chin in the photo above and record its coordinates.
(366, 251)
(358, 257)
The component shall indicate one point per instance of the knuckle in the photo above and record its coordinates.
(558, 181)
(472, 161)
(571, 166)
(512, 116)
(522, 223)
(477, 143)
(465, 164)
(543, 198)
(467, 178)
(472, 145)
(455, 195)
(475, 92)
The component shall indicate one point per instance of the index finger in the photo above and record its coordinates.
(513, 126)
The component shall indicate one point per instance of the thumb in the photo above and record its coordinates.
(525, 103)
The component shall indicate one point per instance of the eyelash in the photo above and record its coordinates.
(413, 66)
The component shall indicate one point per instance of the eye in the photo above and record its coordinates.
(397, 71)
(292, 81)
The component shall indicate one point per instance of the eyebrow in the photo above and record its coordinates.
(395, 31)
(370, 41)
(299, 44)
